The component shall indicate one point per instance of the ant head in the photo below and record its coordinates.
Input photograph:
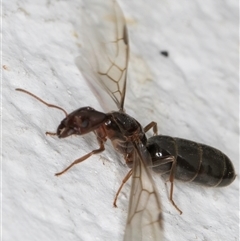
(80, 121)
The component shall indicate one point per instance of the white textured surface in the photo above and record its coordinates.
(192, 94)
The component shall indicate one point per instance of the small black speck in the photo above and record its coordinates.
(164, 53)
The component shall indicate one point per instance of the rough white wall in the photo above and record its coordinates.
(192, 94)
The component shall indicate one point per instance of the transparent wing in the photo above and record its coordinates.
(144, 222)
(104, 55)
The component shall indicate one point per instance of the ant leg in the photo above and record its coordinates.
(152, 125)
(163, 161)
(50, 133)
(83, 158)
(129, 174)
(171, 179)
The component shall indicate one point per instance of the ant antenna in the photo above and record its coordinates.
(45, 103)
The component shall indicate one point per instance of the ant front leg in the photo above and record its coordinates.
(83, 158)
(50, 133)
(152, 125)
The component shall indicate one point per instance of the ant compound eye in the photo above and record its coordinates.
(84, 123)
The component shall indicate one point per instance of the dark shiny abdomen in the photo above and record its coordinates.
(195, 162)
